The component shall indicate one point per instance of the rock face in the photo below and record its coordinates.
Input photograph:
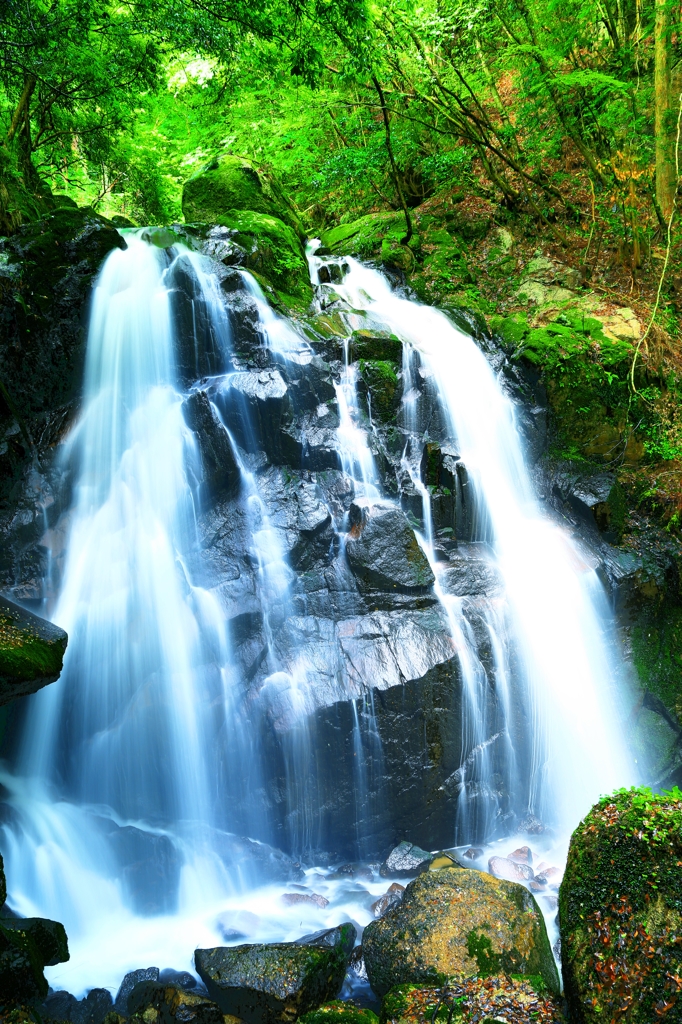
(383, 550)
(458, 924)
(31, 651)
(623, 879)
(278, 982)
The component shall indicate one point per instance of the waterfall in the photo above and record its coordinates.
(153, 746)
(557, 608)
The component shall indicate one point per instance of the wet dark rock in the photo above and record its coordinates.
(31, 651)
(385, 902)
(465, 577)
(404, 860)
(27, 945)
(60, 1006)
(255, 407)
(129, 982)
(181, 979)
(277, 982)
(458, 924)
(383, 551)
(221, 471)
(167, 1003)
(474, 853)
(149, 867)
(199, 352)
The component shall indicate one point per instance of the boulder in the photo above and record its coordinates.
(337, 1012)
(27, 945)
(221, 471)
(405, 860)
(156, 1001)
(620, 910)
(383, 551)
(31, 652)
(255, 407)
(276, 982)
(458, 924)
(229, 182)
(129, 982)
(363, 237)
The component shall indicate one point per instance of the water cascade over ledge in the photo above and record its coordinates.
(181, 690)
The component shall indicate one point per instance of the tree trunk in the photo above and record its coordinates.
(24, 101)
(394, 169)
(666, 178)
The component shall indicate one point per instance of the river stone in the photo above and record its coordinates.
(383, 551)
(221, 471)
(263, 984)
(129, 982)
(458, 924)
(620, 911)
(31, 651)
(404, 860)
(171, 1004)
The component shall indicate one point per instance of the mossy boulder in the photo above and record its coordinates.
(337, 1012)
(458, 925)
(477, 1001)
(31, 652)
(373, 344)
(269, 248)
(27, 946)
(228, 183)
(264, 984)
(620, 908)
(373, 236)
(585, 373)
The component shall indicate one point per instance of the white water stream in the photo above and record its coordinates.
(145, 726)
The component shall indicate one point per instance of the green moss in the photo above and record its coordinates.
(657, 655)
(273, 253)
(620, 908)
(337, 1012)
(372, 345)
(480, 949)
(228, 183)
(24, 654)
(381, 378)
(365, 236)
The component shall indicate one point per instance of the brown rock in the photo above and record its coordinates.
(523, 855)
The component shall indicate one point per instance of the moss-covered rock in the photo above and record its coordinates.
(368, 344)
(338, 1012)
(620, 908)
(31, 652)
(585, 373)
(270, 249)
(365, 237)
(458, 924)
(27, 946)
(228, 183)
(383, 384)
(264, 984)
(523, 1001)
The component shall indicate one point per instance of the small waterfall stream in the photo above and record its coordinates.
(152, 743)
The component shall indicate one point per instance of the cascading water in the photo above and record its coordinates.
(150, 746)
(557, 607)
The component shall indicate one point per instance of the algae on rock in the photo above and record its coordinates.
(620, 908)
(31, 651)
(458, 924)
